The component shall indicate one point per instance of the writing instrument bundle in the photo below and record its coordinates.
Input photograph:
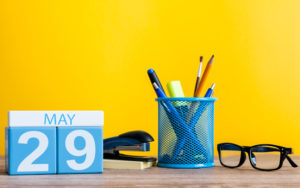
(185, 124)
(174, 87)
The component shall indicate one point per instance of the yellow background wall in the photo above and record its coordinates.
(90, 55)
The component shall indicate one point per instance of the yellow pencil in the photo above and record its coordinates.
(204, 76)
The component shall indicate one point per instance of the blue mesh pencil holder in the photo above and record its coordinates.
(186, 132)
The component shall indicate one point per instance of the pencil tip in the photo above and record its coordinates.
(211, 60)
(201, 58)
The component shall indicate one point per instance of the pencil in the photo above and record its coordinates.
(204, 76)
(198, 75)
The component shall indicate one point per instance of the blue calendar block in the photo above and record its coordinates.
(31, 150)
(80, 149)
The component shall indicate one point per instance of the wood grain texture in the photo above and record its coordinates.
(219, 176)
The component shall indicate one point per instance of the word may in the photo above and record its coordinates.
(61, 121)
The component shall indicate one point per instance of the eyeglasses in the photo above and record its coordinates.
(265, 157)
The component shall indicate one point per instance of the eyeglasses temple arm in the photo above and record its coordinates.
(291, 162)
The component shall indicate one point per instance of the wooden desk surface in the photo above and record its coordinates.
(219, 176)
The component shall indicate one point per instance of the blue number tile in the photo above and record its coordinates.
(80, 149)
(31, 150)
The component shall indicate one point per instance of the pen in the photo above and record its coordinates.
(210, 91)
(158, 91)
(178, 124)
(198, 75)
(154, 78)
(201, 108)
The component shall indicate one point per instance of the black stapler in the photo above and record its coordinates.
(130, 141)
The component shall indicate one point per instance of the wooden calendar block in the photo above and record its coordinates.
(31, 150)
(80, 149)
(49, 142)
(55, 118)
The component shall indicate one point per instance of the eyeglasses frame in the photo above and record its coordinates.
(283, 155)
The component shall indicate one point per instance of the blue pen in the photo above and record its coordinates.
(158, 91)
(198, 114)
(210, 91)
(194, 121)
(202, 106)
(172, 111)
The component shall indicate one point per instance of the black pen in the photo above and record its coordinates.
(154, 79)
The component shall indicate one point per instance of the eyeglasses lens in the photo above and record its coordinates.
(265, 157)
(230, 155)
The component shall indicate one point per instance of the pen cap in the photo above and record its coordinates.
(175, 89)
